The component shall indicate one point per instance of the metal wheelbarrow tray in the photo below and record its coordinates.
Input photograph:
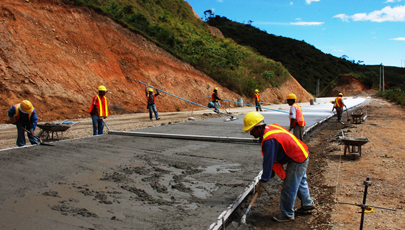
(49, 130)
(354, 142)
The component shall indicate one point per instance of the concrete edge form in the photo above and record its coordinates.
(186, 137)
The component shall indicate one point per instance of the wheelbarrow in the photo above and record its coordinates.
(51, 130)
(353, 144)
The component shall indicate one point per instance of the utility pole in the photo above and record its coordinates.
(379, 85)
(383, 82)
(317, 87)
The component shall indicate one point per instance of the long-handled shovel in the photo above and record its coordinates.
(243, 220)
(39, 139)
(347, 113)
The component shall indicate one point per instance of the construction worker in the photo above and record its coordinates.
(23, 115)
(215, 100)
(280, 147)
(257, 101)
(296, 117)
(151, 102)
(99, 110)
(339, 107)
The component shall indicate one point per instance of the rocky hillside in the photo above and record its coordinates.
(56, 54)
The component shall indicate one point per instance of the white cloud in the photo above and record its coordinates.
(309, 1)
(306, 23)
(398, 39)
(338, 50)
(390, 1)
(220, 0)
(387, 14)
(291, 3)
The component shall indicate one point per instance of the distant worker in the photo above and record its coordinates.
(280, 147)
(99, 110)
(297, 121)
(151, 102)
(339, 107)
(257, 101)
(215, 100)
(23, 115)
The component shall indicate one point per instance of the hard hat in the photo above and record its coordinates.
(102, 88)
(291, 96)
(215, 88)
(332, 102)
(251, 120)
(340, 94)
(256, 90)
(26, 106)
(150, 90)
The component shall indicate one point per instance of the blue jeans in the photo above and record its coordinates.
(153, 108)
(295, 185)
(98, 125)
(21, 136)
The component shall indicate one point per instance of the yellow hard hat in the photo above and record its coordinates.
(26, 106)
(102, 88)
(332, 102)
(251, 120)
(150, 90)
(215, 88)
(291, 96)
(340, 94)
(256, 90)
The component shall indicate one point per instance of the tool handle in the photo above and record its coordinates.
(254, 199)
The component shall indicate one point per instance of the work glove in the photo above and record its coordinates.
(261, 187)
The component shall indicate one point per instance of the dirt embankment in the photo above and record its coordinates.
(56, 55)
(348, 85)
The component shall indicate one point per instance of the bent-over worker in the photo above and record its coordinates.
(151, 102)
(280, 147)
(215, 99)
(99, 110)
(297, 121)
(339, 107)
(257, 101)
(23, 115)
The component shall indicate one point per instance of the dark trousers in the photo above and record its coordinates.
(21, 135)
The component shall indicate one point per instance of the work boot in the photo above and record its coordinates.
(282, 218)
(304, 209)
(158, 118)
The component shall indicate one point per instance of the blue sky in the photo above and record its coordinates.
(372, 31)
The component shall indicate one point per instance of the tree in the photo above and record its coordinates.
(209, 13)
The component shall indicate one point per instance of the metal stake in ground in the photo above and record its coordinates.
(364, 206)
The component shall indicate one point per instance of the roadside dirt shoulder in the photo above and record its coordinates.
(335, 178)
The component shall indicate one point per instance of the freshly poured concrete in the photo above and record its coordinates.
(125, 182)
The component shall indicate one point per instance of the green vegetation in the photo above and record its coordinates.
(172, 25)
(396, 95)
(306, 63)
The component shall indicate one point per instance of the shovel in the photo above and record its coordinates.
(243, 220)
(39, 139)
(347, 113)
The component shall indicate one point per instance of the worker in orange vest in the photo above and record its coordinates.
(99, 110)
(280, 147)
(297, 121)
(257, 101)
(339, 107)
(23, 115)
(215, 99)
(152, 102)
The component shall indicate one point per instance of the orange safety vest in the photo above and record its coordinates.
(338, 102)
(293, 147)
(257, 97)
(299, 115)
(154, 98)
(102, 106)
(213, 98)
(17, 113)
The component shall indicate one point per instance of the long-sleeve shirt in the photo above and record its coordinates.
(215, 96)
(272, 151)
(24, 118)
